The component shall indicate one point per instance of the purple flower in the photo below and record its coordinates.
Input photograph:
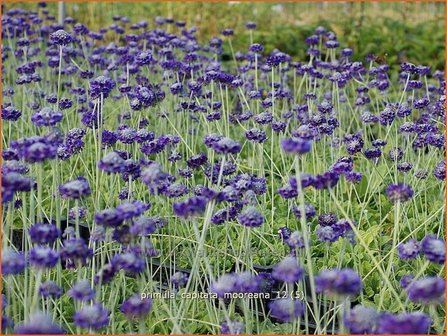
(75, 251)
(101, 85)
(328, 179)
(343, 165)
(256, 48)
(379, 143)
(12, 262)
(197, 160)
(111, 163)
(79, 212)
(105, 274)
(109, 217)
(61, 37)
(309, 211)
(65, 103)
(94, 316)
(405, 323)
(286, 310)
(144, 58)
(226, 284)
(226, 146)
(404, 167)
(327, 219)
(290, 190)
(246, 282)
(12, 181)
(372, 153)
(126, 135)
(220, 216)
(295, 240)
(406, 280)
(43, 257)
(343, 226)
(39, 323)
(250, 217)
(39, 152)
(409, 250)
(328, 234)
(10, 113)
(288, 270)
(250, 25)
(210, 139)
(50, 289)
(179, 279)
(136, 307)
(192, 206)
(232, 328)
(361, 320)
(427, 290)
(129, 261)
(43, 233)
(399, 192)
(434, 249)
(278, 126)
(342, 282)
(75, 189)
(176, 88)
(82, 291)
(284, 233)
(227, 32)
(98, 234)
(256, 135)
(439, 171)
(295, 145)
(6, 323)
(395, 154)
(131, 209)
(144, 226)
(354, 143)
(176, 190)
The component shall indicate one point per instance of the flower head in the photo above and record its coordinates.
(94, 316)
(50, 289)
(405, 323)
(39, 323)
(75, 189)
(288, 270)
(399, 192)
(82, 291)
(342, 282)
(361, 320)
(232, 328)
(46, 117)
(426, 290)
(61, 37)
(409, 250)
(43, 257)
(226, 146)
(192, 206)
(434, 249)
(295, 145)
(250, 217)
(286, 310)
(43, 233)
(12, 262)
(136, 307)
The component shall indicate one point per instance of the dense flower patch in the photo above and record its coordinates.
(136, 162)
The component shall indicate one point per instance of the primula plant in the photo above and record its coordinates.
(150, 187)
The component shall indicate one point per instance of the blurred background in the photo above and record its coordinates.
(404, 31)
